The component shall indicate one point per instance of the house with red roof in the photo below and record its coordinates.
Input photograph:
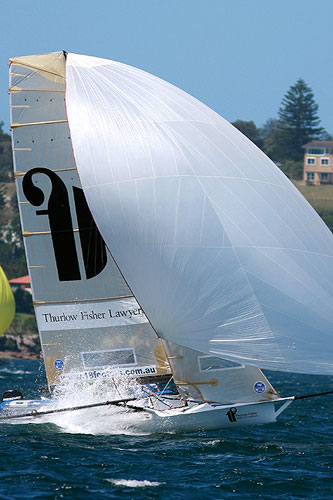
(23, 282)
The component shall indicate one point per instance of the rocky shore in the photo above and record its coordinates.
(25, 346)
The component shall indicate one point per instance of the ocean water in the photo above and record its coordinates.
(291, 459)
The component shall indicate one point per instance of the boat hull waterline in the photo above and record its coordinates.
(141, 419)
(205, 417)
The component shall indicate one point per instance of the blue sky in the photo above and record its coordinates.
(237, 56)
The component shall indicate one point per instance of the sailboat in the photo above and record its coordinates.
(163, 247)
(7, 303)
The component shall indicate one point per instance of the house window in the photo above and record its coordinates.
(311, 161)
(310, 176)
(323, 177)
(324, 161)
(316, 151)
(327, 151)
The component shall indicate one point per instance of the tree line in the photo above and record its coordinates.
(12, 256)
(283, 138)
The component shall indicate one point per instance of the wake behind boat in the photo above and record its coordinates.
(162, 243)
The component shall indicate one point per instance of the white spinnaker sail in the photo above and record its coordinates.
(220, 249)
(87, 317)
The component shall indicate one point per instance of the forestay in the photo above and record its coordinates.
(220, 249)
(87, 317)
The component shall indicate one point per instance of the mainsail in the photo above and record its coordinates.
(7, 303)
(87, 317)
(220, 249)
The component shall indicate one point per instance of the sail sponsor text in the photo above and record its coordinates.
(135, 371)
(118, 312)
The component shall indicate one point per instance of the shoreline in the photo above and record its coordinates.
(18, 355)
(20, 346)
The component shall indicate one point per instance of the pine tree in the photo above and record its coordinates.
(299, 121)
(250, 130)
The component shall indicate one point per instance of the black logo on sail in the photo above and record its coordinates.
(60, 221)
(231, 414)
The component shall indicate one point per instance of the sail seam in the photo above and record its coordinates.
(302, 321)
(280, 290)
(112, 257)
(220, 177)
(143, 94)
(308, 252)
(272, 336)
(281, 186)
(276, 213)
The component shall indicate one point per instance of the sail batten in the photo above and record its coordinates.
(222, 252)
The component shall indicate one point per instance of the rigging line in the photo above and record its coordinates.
(37, 413)
(313, 395)
(165, 388)
(156, 396)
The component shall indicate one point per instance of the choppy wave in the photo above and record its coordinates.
(73, 456)
(15, 372)
(134, 483)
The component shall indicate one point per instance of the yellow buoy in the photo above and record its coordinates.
(7, 303)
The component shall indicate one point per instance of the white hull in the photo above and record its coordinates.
(208, 417)
(197, 417)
